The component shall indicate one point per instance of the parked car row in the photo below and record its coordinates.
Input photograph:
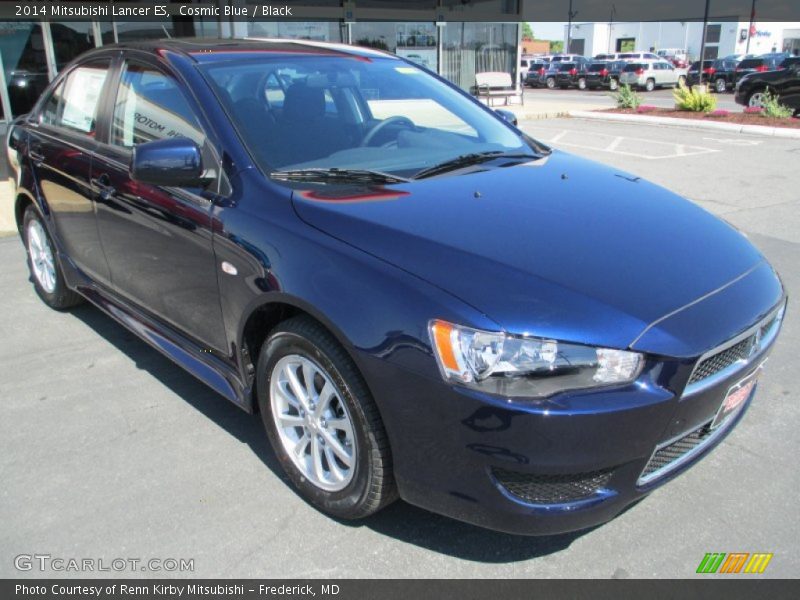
(636, 69)
(723, 74)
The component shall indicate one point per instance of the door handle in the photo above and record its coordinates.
(36, 155)
(104, 188)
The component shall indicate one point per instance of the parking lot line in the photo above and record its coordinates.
(647, 149)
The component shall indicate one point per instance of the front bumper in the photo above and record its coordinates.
(569, 462)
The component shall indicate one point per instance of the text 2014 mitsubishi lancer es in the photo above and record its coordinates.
(419, 300)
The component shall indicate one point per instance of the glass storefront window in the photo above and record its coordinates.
(24, 62)
(70, 39)
(107, 33)
(416, 42)
(469, 48)
(140, 30)
(317, 31)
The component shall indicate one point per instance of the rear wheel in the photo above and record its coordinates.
(650, 85)
(46, 274)
(582, 83)
(681, 80)
(322, 421)
(551, 83)
(720, 86)
(613, 84)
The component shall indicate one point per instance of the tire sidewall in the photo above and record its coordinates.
(53, 299)
(340, 502)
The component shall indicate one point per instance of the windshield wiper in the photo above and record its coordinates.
(466, 160)
(338, 176)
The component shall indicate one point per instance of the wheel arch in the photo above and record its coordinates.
(264, 314)
(21, 203)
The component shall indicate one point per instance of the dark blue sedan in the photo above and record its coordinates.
(419, 299)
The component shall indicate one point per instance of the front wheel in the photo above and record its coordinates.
(48, 279)
(756, 99)
(322, 422)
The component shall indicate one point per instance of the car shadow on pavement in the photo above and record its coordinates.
(401, 521)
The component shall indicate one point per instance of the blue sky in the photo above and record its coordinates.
(548, 31)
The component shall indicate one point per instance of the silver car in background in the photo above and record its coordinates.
(650, 74)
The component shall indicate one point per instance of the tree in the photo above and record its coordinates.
(556, 46)
(527, 31)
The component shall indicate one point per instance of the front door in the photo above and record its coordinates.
(158, 240)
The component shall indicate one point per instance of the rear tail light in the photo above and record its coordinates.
(573, 71)
(541, 71)
(604, 72)
(709, 71)
(640, 71)
(762, 68)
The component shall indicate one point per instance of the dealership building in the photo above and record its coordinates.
(455, 38)
(722, 37)
(451, 37)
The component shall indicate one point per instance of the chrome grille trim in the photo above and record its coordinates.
(761, 335)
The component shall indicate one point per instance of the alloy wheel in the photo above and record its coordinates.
(756, 100)
(42, 262)
(313, 422)
(720, 85)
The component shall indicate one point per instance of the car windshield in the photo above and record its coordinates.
(346, 112)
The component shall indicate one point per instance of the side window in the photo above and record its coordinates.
(73, 104)
(150, 106)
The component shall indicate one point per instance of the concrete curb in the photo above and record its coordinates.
(782, 132)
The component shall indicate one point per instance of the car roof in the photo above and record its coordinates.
(209, 50)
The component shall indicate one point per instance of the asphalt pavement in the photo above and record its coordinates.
(571, 99)
(108, 450)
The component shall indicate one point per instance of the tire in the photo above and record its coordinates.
(756, 98)
(550, 83)
(720, 86)
(613, 84)
(368, 483)
(46, 274)
(649, 85)
(582, 83)
(681, 80)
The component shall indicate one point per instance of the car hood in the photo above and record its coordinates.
(560, 247)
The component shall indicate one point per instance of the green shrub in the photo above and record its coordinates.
(773, 107)
(627, 98)
(695, 99)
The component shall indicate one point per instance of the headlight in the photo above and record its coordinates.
(525, 366)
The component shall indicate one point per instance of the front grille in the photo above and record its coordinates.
(722, 360)
(665, 456)
(552, 489)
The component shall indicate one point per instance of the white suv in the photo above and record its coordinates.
(650, 74)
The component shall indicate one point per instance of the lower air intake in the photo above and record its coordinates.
(552, 489)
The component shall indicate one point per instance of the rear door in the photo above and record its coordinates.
(158, 240)
(61, 144)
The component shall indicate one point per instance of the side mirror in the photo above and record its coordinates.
(171, 162)
(507, 115)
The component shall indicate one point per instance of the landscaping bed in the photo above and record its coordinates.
(737, 118)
